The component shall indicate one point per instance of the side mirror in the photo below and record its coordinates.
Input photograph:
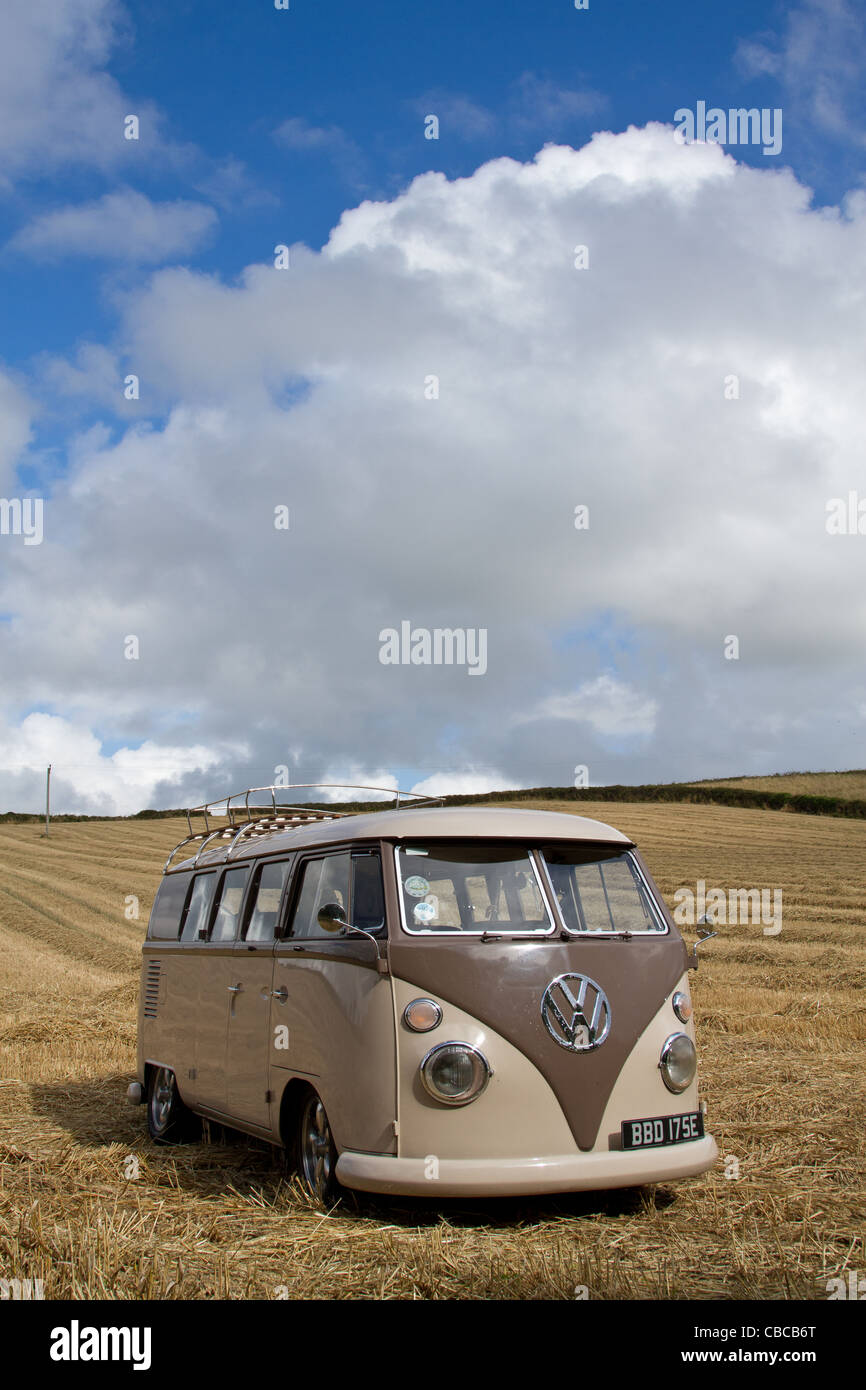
(703, 935)
(331, 917)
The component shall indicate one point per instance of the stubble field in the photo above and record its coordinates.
(93, 1209)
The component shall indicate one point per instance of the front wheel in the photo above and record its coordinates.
(168, 1119)
(316, 1152)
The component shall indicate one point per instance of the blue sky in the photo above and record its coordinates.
(155, 256)
(225, 78)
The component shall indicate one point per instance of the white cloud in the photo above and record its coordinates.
(543, 105)
(85, 779)
(607, 705)
(325, 142)
(297, 133)
(229, 184)
(469, 783)
(458, 116)
(558, 387)
(819, 58)
(62, 111)
(531, 104)
(15, 428)
(57, 104)
(93, 375)
(121, 226)
(355, 776)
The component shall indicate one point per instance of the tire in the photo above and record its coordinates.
(168, 1119)
(315, 1151)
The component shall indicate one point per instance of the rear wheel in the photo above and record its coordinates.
(168, 1119)
(316, 1152)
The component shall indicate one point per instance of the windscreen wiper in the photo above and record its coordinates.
(594, 935)
(513, 936)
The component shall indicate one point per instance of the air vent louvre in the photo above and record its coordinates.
(151, 988)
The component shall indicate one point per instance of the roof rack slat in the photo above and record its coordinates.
(269, 820)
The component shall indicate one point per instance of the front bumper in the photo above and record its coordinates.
(502, 1177)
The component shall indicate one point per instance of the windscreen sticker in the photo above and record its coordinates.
(424, 912)
(416, 886)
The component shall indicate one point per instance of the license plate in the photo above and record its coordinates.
(663, 1129)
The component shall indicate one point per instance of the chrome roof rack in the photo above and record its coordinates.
(245, 821)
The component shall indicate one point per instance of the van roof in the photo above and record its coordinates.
(452, 822)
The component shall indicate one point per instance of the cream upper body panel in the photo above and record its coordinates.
(518, 1115)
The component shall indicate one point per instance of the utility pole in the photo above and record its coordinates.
(48, 799)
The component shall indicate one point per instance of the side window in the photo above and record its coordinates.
(265, 897)
(194, 920)
(167, 910)
(322, 881)
(368, 893)
(228, 904)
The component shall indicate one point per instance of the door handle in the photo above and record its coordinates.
(282, 994)
(235, 989)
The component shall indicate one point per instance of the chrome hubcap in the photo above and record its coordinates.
(316, 1146)
(163, 1097)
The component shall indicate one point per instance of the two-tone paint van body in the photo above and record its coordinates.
(455, 1002)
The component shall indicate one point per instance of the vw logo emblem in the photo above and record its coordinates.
(576, 1012)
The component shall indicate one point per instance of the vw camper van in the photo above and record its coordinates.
(461, 1001)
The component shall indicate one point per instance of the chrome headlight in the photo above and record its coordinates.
(678, 1062)
(422, 1015)
(455, 1073)
(681, 1006)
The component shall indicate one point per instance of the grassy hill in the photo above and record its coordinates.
(848, 785)
(807, 793)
